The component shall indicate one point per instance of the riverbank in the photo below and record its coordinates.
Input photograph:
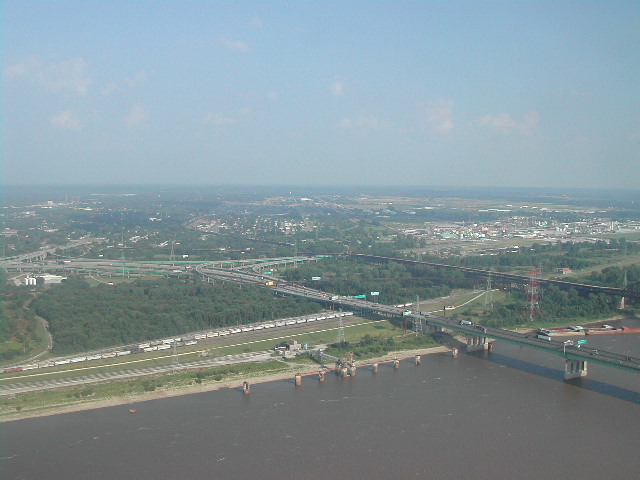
(130, 401)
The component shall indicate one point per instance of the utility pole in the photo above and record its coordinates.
(488, 297)
(417, 321)
(340, 331)
(175, 356)
(624, 285)
(533, 289)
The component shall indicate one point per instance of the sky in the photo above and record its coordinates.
(460, 93)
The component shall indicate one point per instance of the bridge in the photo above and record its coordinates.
(478, 337)
(44, 252)
(631, 291)
(254, 272)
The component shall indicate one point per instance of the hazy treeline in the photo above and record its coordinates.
(548, 258)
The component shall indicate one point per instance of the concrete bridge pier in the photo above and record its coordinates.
(476, 343)
(574, 369)
(431, 329)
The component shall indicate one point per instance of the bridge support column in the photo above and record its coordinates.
(476, 343)
(574, 369)
(431, 329)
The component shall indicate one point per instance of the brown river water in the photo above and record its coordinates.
(507, 414)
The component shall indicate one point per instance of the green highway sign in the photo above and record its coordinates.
(360, 296)
(581, 342)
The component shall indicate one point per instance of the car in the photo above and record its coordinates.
(464, 322)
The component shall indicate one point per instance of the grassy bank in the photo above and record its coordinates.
(30, 403)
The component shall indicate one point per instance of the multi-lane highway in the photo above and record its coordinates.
(255, 277)
(555, 347)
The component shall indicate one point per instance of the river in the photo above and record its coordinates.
(507, 414)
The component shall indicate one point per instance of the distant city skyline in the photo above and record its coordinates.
(488, 93)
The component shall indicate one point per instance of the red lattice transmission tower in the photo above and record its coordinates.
(533, 290)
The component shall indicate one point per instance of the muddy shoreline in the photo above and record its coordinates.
(131, 400)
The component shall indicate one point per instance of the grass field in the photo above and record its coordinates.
(35, 401)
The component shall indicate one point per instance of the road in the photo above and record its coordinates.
(555, 347)
(13, 389)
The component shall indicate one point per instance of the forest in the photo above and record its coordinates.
(557, 306)
(397, 283)
(83, 318)
(18, 331)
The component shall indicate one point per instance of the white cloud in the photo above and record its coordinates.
(66, 120)
(440, 116)
(26, 68)
(362, 121)
(506, 124)
(218, 119)
(130, 82)
(138, 79)
(138, 117)
(221, 119)
(65, 76)
(237, 46)
(337, 89)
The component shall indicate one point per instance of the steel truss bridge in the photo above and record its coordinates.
(631, 291)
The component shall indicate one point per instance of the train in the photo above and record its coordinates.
(167, 343)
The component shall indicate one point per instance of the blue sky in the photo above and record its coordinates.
(477, 93)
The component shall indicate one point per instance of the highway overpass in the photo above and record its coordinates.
(477, 336)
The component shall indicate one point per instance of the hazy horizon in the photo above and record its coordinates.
(435, 94)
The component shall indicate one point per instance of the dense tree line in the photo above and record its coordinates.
(83, 318)
(547, 257)
(614, 276)
(18, 331)
(559, 306)
(397, 283)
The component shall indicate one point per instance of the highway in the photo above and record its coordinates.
(555, 347)
(23, 387)
(46, 251)
(240, 276)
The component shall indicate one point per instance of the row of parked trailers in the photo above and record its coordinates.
(168, 343)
